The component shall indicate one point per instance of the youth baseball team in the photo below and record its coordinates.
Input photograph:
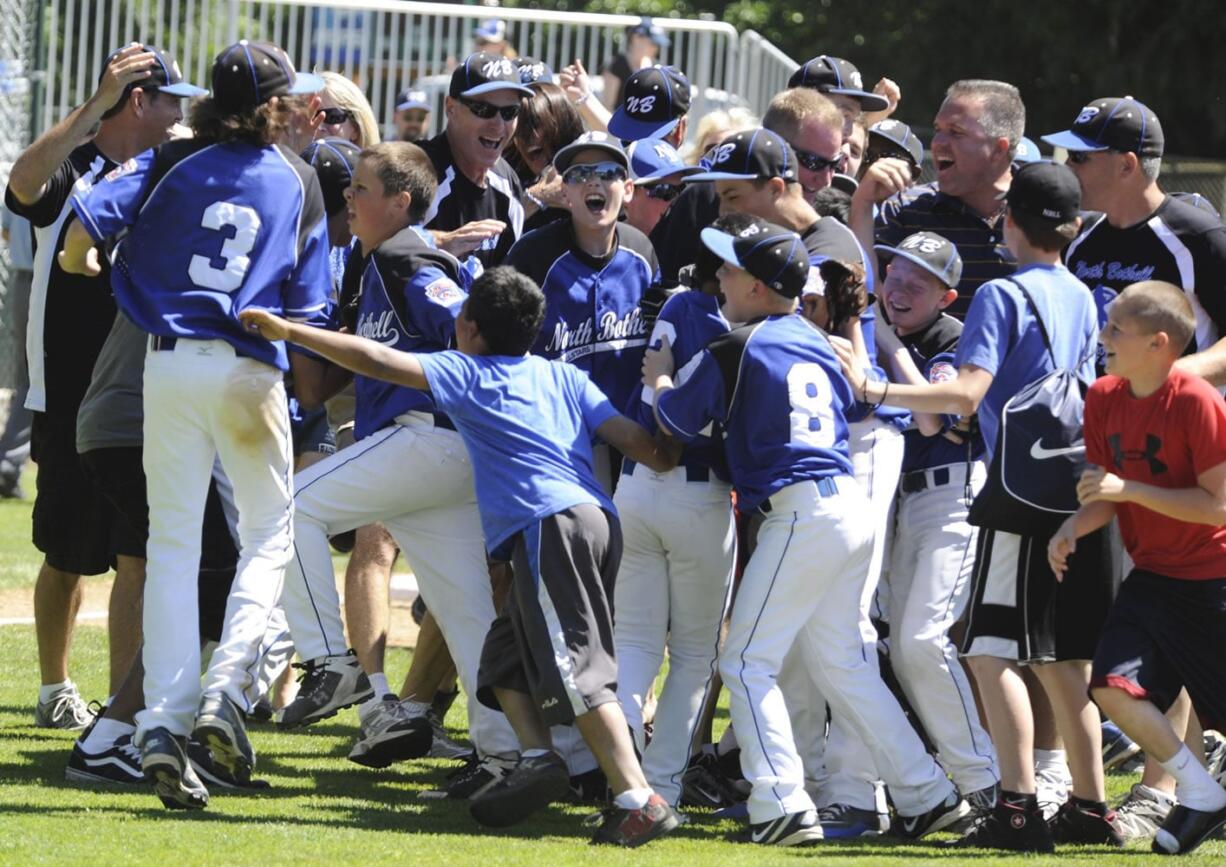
(758, 416)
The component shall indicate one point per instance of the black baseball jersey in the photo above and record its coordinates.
(1178, 243)
(676, 236)
(70, 315)
(932, 349)
(460, 201)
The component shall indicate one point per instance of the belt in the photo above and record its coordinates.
(918, 480)
(692, 473)
(825, 488)
(163, 344)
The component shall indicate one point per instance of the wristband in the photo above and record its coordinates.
(540, 206)
(586, 96)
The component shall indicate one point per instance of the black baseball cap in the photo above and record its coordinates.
(407, 99)
(334, 161)
(771, 253)
(593, 140)
(935, 254)
(836, 75)
(248, 74)
(749, 155)
(653, 101)
(531, 69)
(650, 29)
(1113, 123)
(482, 72)
(899, 134)
(164, 76)
(1047, 190)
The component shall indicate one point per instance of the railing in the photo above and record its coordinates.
(762, 70)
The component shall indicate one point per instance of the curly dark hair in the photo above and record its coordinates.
(263, 125)
(508, 309)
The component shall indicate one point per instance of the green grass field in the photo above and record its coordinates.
(322, 809)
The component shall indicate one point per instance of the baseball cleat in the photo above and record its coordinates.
(328, 684)
(119, 764)
(472, 778)
(202, 762)
(949, 812)
(843, 821)
(165, 765)
(390, 734)
(1141, 814)
(220, 727)
(1082, 827)
(631, 828)
(793, 829)
(534, 782)
(65, 709)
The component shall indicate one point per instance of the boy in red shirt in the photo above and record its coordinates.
(1156, 452)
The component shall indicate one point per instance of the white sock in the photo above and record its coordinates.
(378, 682)
(47, 690)
(727, 742)
(1051, 765)
(1196, 789)
(104, 734)
(632, 799)
(532, 754)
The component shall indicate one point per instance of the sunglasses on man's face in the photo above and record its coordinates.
(335, 116)
(816, 162)
(486, 110)
(1079, 158)
(663, 192)
(581, 174)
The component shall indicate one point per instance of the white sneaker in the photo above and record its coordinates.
(390, 734)
(1142, 813)
(328, 684)
(64, 710)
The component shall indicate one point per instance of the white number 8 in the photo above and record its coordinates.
(234, 250)
(812, 400)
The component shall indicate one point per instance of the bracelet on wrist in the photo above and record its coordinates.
(586, 96)
(540, 205)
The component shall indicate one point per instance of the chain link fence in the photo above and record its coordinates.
(16, 38)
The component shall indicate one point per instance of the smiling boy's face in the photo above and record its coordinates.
(595, 202)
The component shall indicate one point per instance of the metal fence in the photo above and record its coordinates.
(16, 37)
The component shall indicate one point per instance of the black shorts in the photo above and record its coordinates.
(73, 522)
(554, 641)
(1020, 612)
(311, 433)
(1165, 634)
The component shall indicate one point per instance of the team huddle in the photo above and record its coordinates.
(930, 478)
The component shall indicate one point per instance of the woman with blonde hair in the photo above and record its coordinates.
(347, 112)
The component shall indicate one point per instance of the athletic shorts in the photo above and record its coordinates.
(310, 433)
(1165, 634)
(1020, 612)
(73, 523)
(554, 640)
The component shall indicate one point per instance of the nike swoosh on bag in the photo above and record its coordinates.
(1039, 453)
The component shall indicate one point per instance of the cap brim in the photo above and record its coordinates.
(868, 101)
(562, 159)
(719, 176)
(182, 88)
(1071, 141)
(684, 171)
(491, 86)
(911, 257)
(405, 106)
(628, 129)
(721, 244)
(846, 183)
(306, 82)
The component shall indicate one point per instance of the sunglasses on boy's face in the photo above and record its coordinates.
(486, 110)
(335, 116)
(581, 174)
(816, 162)
(663, 192)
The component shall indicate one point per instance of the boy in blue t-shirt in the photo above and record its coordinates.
(528, 425)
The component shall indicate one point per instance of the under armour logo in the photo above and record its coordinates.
(723, 153)
(497, 68)
(1150, 455)
(640, 104)
(1087, 115)
(922, 243)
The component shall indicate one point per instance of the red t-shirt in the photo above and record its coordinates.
(1165, 440)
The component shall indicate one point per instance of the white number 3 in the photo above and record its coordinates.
(246, 223)
(811, 398)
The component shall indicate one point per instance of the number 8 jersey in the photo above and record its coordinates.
(777, 388)
(213, 229)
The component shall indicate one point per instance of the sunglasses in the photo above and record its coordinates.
(663, 192)
(1079, 158)
(581, 174)
(816, 162)
(486, 110)
(335, 116)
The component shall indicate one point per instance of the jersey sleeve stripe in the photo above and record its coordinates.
(669, 423)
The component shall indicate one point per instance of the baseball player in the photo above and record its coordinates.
(775, 387)
(217, 223)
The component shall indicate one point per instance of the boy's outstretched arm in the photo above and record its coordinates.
(349, 351)
(660, 453)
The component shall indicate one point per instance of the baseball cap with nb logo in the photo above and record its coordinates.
(483, 72)
(653, 101)
(749, 155)
(1113, 123)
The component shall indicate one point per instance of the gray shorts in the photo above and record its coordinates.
(554, 641)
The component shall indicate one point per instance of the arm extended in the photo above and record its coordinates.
(660, 453)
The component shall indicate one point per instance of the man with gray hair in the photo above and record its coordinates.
(975, 134)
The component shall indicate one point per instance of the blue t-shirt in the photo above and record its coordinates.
(690, 320)
(778, 390)
(1002, 336)
(528, 424)
(215, 229)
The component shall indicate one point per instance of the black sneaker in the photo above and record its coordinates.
(1185, 829)
(794, 829)
(119, 763)
(1016, 827)
(165, 765)
(704, 785)
(535, 782)
(212, 774)
(949, 812)
(472, 778)
(1081, 826)
(590, 787)
(328, 684)
(261, 711)
(843, 821)
(220, 727)
(631, 828)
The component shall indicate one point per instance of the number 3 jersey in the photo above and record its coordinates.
(776, 387)
(212, 229)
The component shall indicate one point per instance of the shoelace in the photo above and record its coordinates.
(129, 750)
(69, 702)
(311, 679)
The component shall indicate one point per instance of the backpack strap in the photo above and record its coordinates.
(1038, 318)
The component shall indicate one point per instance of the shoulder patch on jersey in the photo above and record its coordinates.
(124, 168)
(942, 371)
(444, 292)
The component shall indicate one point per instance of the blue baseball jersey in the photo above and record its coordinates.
(529, 425)
(592, 316)
(690, 320)
(776, 387)
(409, 299)
(1002, 337)
(212, 230)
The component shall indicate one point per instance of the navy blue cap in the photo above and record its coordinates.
(482, 72)
(836, 75)
(334, 161)
(407, 99)
(1046, 190)
(164, 76)
(748, 155)
(248, 74)
(771, 253)
(1121, 124)
(932, 252)
(531, 69)
(898, 133)
(652, 160)
(653, 101)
